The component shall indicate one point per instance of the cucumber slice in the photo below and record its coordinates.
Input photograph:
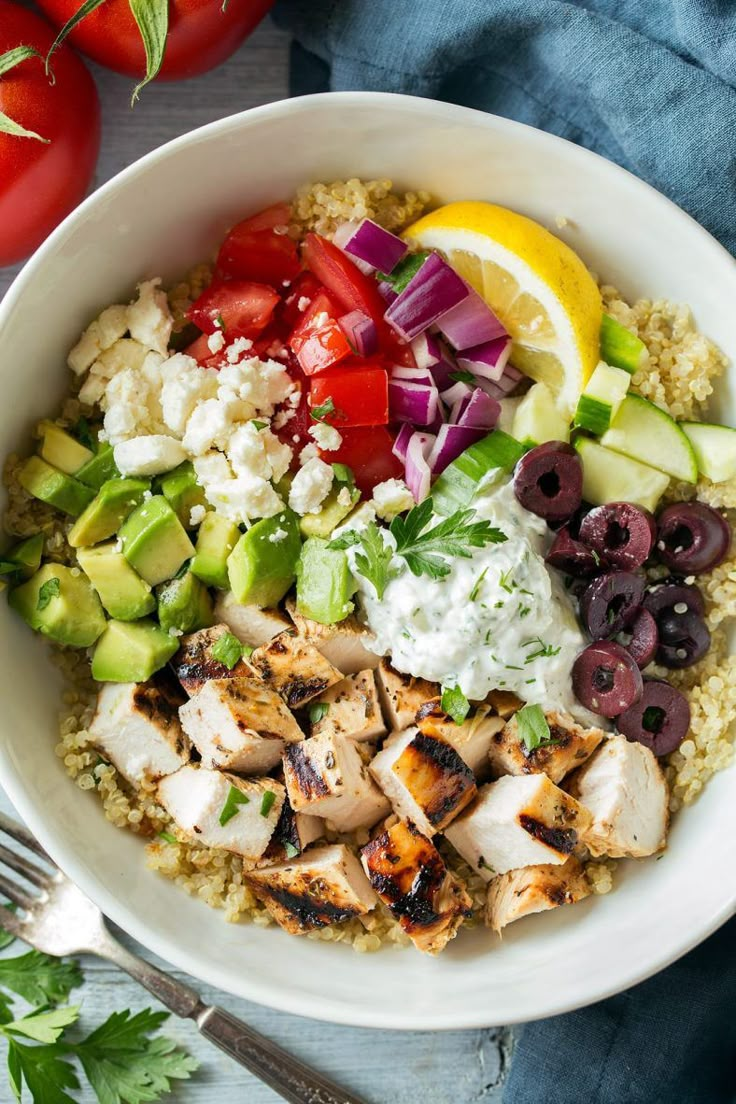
(610, 477)
(715, 449)
(645, 432)
(460, 480)
(537, 418)
(620, 347)
(601, 400)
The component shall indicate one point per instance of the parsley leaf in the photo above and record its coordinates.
(532, 727)
(45, 1071)
(462, 376)
(343, 474)
(404, 271)
(453, 536)
(6, 937)
(374, 562)
(230, 809)
(257, 424)
(290, 850)
(50, 589)
(83, 433)
(167, 837)
(455, 704)
(267, 802)
(38, 978)
(319, 413)
(227, 650)
(318, 710)
(44, 1025)
(220, 322)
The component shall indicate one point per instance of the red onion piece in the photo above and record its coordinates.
(342, 236)
(479, 412)
(471, 323)
(377, 247)
(417, 403)
(403, 437)
(414, 375)
(487, 360)
(451, 441)
(387, 291)
(427, 350)
(361, 332)
(441, 372)
(432, 292)
(452, 395)
(418, 473)
(499, 389)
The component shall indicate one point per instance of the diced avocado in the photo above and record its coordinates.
(538, 419)
(183, 491)
(132, 651)
(215, 541)
(601, 399)
(610, 477)
(715, 449)
(59, 602)
(99, 469)
(262, 566)
(184, 604)
(60, 449)
(460, 481)
(54, 487)
(341, 499)
(620, 347)
(27, 555)
(122, 592)
(645, 432)
(324, 584)
(154, 541)
(107, 511)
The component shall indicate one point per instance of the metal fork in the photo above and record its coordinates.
(55, 917)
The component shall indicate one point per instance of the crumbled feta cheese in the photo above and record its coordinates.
(111, 325)
(149, 317)
(279, 454)
(184, 385)
(303, 303)
(311, 486)
(320, 319)
(212, 467)
(309, 452)
(344, 498)
(124, 353)
(326, 436)
(282, 417)
(216, 341)
(358, 520)
(197, 515)
(295, 397)
(277, 536)
(263, 383)
(239, 346)
(244, 498)
(147, 496)
(149, 455)
(173, 631)
(391, 498)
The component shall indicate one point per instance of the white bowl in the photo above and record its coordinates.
(160, 216)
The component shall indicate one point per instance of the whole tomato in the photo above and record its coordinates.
(41, 181)
(201, 35)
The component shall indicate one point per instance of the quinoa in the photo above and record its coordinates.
(322, 207)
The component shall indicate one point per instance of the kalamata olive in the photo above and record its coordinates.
(571, 556)
(606, 679)
(610, 603)
(659, 720)
(621, 534)
(641, 638)
(683, 638)
(548, 481)
(692, 537)
(672, 593)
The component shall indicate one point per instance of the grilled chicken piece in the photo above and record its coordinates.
(519, 893)
(294, 668)
(402, 695)
(198, 800)
(424, 778)
(251, 624)
(408, 874)
(293, 833)
(239, 724)
(325, 776)
(345, 645)
(471, 740)
(352, 709)
(573, 745)
(136, 726)
(323, 886)
(504, 703)
(625, 790)
(518, 821)
(194, 664)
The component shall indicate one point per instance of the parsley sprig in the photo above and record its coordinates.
(531, 724)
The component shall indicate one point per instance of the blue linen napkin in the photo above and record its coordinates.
(649, 84)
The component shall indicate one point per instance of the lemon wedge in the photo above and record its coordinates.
(535, 284)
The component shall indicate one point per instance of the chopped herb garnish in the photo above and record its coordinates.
(462, 376)
(8, 568)
(257, 424)
(50, 589)
(267, 802)
(530, 680)
(168, 838)
(343, 474)
(506, 581)
(455, 704)
(83, 433)
(404, 271)
(479, 582)
(512, 667)
(227, 650)
(483, 865)
(374, 561)
(523, 611)
(318, 710)
(545, 651)
(183, 569)
(523, 590)
(290, 850)
(220, 323)
(424, 548)
(230, 809)
(596, 557)
(499, 605)
(533, 728)
(319, 413)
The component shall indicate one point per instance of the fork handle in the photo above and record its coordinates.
(285, 1074)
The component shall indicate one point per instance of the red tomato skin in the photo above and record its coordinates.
(321, 349)
(367, 450)
(201, 36)
(244, 307)
(347, 284)
(360, 395)
(254, 250)
(306, 286)
(41, 182)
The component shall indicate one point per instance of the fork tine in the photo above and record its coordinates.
(9, 922)
(22, 836)
(15, 894)
(22, 866)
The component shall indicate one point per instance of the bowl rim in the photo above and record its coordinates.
(328, 1009)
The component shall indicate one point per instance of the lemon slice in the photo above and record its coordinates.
(538, 287)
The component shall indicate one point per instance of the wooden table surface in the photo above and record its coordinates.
(384, 1067)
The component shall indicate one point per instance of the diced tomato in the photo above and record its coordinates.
(259, 249)
(352, 289)
(306, 286)
(359, 395)
(200, 350)
(322, 348)
(244, 308)
(321, 310)
(278, 214)
(367, 450)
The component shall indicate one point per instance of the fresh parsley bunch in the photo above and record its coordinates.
(123, 1059)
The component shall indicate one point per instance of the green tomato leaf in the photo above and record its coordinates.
(8, 61)
(152, 17)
